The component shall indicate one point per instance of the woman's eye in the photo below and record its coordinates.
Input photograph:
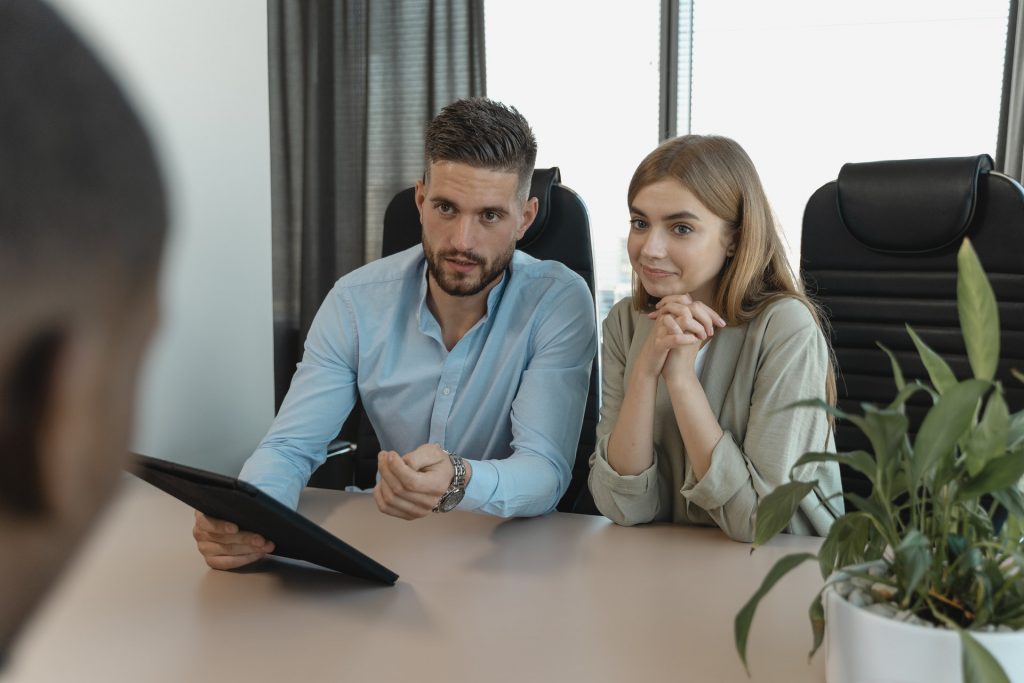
(681, 229)
(638, 224)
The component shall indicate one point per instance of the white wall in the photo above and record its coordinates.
(197, 71)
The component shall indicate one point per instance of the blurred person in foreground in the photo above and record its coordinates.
(82, 222)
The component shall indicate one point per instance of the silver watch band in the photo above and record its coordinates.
(456, 489)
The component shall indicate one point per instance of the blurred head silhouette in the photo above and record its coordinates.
(82, 222)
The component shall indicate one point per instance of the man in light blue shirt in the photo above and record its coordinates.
(472, 360)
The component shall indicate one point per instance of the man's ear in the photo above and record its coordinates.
(25, 404)
(529, 215)
(70, 426)
(421, 197)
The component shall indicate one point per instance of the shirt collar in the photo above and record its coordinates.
(426, 319)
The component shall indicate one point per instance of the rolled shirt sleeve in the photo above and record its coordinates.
(792, 367)
(547, 412)
(322, 393)
(624, 499)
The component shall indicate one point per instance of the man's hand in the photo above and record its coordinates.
(412, 485)
(224, 546)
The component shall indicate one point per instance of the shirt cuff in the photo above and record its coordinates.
(274, 477)
(726, 475)
(626, 484)
(481, 487)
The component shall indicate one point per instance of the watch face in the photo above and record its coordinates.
(450, 500)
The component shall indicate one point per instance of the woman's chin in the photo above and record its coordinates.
(660, 290)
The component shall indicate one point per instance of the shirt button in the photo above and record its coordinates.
(446, 391)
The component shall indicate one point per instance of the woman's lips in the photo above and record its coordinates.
(656, 273)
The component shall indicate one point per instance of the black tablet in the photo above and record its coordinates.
(226, 498)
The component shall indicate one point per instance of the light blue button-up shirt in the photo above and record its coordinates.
(509, 395)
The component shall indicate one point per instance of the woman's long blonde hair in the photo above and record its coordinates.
(723, 178)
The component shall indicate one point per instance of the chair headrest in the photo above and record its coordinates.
(912, 205)
(540, 187)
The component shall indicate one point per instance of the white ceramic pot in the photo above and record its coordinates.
(863, 647)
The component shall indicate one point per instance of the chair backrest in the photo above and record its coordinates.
(560, 232)
(879, 250)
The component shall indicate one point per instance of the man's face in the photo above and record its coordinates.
(472, 218)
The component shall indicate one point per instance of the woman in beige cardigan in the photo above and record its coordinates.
(718, 338)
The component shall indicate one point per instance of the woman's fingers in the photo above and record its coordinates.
(669, 334)
(704, 315)
(688, 322)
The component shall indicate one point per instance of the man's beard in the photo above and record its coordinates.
(459, 284)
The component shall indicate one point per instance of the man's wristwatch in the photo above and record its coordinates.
(457, 489)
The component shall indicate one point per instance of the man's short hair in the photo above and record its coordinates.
(484, 134)
(83, 217)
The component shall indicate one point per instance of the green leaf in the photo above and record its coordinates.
(897, 372)
(979, 666)
(1012, 499)
(938, 370)
(956, 544)
(979, 315)
(989, 438)
(776, 510)
(887, 430)
(870, 506)
(845, 543)
(913, 557)
(746, 615)
(978, 520)
(817, 615)
(861, 461)
(1015, 434)
(898, 484)
(945, 423)
(906, 392)
(816, 403)
(1000, 473)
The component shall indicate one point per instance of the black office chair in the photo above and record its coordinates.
(879, 250)
(560, 232)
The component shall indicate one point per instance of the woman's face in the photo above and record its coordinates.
(676, 245)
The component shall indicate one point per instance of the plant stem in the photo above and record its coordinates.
(951, 602)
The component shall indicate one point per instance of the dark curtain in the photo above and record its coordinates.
(1010, 144)
(352, 85)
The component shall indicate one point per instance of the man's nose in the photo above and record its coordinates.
(464, 237)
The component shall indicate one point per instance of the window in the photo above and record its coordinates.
(807, 86)
(587, 81)
(804, 86)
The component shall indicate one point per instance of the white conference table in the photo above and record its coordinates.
(558, 598)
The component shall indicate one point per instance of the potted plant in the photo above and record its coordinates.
(932, 557)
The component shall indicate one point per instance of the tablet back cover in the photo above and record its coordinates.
(236, 501)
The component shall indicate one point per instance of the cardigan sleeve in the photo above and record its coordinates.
(792, 366)
(624, 499)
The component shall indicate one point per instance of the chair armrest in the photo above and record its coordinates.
(340, 447)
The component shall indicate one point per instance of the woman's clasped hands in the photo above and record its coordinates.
(681, 327)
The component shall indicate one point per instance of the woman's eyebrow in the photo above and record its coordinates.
(684, 214)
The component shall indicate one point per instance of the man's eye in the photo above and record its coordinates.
(491, 216)
(445, 207)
